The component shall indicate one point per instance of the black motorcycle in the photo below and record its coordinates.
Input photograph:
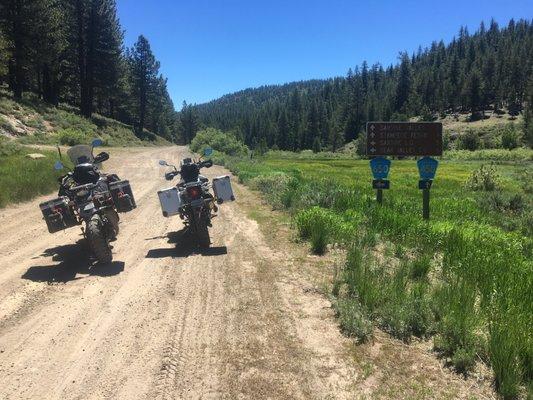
(88, 196)
(190, 199)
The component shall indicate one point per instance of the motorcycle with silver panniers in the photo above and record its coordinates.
(191, 198)
(89, 198)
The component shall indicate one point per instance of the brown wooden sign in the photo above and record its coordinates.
(404, 139)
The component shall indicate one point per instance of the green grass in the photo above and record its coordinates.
(22, 178)
(464, 278)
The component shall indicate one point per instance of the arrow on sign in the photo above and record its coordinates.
(372, 127)
(372, 143)
(372, 134)
(373, 150)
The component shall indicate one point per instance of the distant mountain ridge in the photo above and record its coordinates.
(488, 70)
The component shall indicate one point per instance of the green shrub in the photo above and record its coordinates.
(318, 225)
(469, 140)
(352, 321)
(72, 137)
(463, 360)
(485, 178)
(519, 154)
(510, 137)
(504, 202)
(224, 142)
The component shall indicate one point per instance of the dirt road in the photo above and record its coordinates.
(161, 322)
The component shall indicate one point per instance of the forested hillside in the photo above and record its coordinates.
(489, 70)
(72, 51)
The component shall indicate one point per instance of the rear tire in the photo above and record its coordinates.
(98, 241)
(202, 232)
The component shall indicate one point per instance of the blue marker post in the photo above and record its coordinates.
(427, 168)
(380, 167)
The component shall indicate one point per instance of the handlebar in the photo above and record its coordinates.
(201, 164)
(170, 175)
(206, 164)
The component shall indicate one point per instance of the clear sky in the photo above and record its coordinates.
(210, 48)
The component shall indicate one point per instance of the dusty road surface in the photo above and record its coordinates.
(162, 321)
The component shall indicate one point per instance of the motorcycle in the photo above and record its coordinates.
(190, 198)
(91, 198)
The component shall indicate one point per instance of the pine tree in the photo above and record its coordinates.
(144, 72)
(403, 87)
(109, 64)
(317, 146)
(473, 93)
(18, 18)
(189, 123)
(49, 50)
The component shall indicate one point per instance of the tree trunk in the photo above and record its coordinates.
(92, 32)
(18, 52)
(50, 86)
(85, 106)
(142, 108)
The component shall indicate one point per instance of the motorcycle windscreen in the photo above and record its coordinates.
(80, 154)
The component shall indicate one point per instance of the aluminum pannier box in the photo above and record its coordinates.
(170, 201)
(58, 214)
(122, 196)
(222, 188)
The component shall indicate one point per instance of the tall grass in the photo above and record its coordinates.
(465, 278)
(22, 178)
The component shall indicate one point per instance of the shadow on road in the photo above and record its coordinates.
(184, 247)
(73, 260)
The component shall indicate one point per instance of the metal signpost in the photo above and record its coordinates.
(380, 167)
(404, 139)
(427, 168)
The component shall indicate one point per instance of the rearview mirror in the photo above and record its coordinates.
(97, 143)
(103, 156)
(58, 166)
(208, 151)
(163, 163)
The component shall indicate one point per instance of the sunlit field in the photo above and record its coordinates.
(463, 279)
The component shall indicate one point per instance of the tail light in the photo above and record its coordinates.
(194, 192)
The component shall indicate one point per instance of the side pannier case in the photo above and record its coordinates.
(170, 201)
(122, 196)
(223, 190)
(58, 214)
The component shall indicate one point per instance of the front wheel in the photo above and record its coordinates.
(97, 240)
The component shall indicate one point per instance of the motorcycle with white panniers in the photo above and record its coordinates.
(191, 198)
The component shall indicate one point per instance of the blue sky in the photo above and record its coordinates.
(210, 48)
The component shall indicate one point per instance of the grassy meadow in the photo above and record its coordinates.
(22, 178)
(463, 279)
